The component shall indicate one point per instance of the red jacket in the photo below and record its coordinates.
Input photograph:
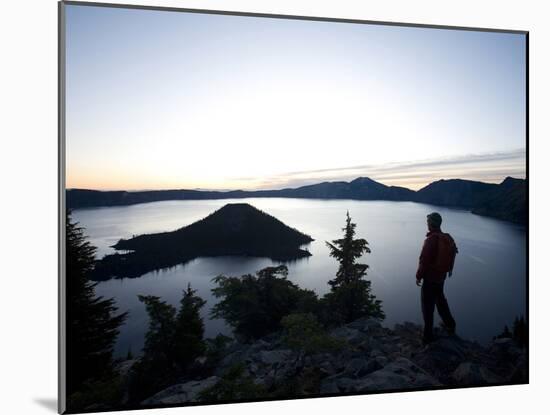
(428, 258)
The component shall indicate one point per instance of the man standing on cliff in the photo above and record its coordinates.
(436, 262)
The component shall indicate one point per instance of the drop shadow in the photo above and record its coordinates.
(48, 403)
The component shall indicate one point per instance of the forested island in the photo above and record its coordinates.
(505, 201)
(235, 229)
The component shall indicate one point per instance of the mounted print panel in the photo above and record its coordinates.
(262, 207)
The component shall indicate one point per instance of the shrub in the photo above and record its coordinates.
(233, 386)
(303, 332)
(255, 305)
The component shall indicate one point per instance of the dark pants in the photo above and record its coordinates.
(432, 295)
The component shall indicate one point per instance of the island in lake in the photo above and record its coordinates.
(235, 229)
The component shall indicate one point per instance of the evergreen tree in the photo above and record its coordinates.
(506, 334)
(155, 369)
(189, 329)
(346, 251)
(173, 341)
(159, 339)
(92, 323)
(350, 294)
(520, 333)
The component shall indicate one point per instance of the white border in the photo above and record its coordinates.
(28, 306)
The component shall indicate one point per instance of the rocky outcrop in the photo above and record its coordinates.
(372, 358)
(180, 393)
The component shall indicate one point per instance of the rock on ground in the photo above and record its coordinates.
(372, 358)
(181, 393)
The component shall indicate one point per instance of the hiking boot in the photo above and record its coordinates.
(450, 330)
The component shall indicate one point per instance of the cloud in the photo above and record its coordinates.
(488, 167)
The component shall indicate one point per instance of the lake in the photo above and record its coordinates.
(486, 291)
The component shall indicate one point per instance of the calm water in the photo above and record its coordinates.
(486, 291)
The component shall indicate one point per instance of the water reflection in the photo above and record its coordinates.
(486, 291)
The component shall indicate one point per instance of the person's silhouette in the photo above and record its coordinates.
(436, 262)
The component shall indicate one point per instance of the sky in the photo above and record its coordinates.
(171, 100)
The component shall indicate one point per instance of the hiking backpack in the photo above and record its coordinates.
(446, 253)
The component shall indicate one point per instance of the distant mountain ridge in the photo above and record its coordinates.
(505, 201)
(235, 229)
(455, 192)
(508, 201)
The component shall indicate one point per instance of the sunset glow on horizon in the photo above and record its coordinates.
(168, 100)
(491, 168)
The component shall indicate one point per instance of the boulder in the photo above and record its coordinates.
(124, 367)
(318, 358)
(377, 353)
(366, 325)
(345, 384)
(350, 335)
(407, 327)
(399, 374)
(329, 388)
(442, 357)
(358, 367)
(181, 393)
(230, 360)
(274, 357)
(260, 345)
(410, 337)
(326, 368)
(267, 380)
(381, 361)
(505, 349)
(471, 374)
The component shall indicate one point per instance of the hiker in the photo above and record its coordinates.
(436, 262)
